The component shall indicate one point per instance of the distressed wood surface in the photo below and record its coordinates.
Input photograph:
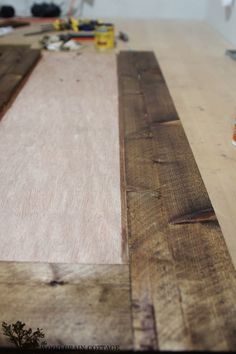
(16, 63)
(74, 304)
(59, 164)
(182, 279)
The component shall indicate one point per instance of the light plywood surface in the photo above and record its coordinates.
(59, 158)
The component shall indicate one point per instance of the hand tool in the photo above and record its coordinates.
(71, 24)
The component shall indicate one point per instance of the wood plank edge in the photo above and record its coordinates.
(20, 85)
(124, 223)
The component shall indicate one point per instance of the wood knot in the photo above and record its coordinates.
(56, 282)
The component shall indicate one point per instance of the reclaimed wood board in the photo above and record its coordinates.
(59, 164)
(16, 63)
(75, 305)
(183, 283)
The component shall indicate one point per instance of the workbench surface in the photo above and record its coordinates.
(202, 82)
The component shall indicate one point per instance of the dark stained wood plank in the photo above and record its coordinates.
(134, 62)
(183, 189)
(151, 85)
(26, 62)
(74, 304)
(183, 283)
(16, 63)
(10, 55)
(206, 278)
(164, 110)
(147, 247)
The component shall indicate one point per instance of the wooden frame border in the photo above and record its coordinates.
(181, 278)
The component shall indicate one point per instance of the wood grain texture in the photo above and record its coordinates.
(182, 278)
(16, 63)
(59, 158)
(74, 304)
(202, 83)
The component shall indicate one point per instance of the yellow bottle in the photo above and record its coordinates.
(105, 36)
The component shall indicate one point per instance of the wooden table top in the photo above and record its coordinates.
(202, 82)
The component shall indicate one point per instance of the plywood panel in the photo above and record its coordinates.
(59, 164)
